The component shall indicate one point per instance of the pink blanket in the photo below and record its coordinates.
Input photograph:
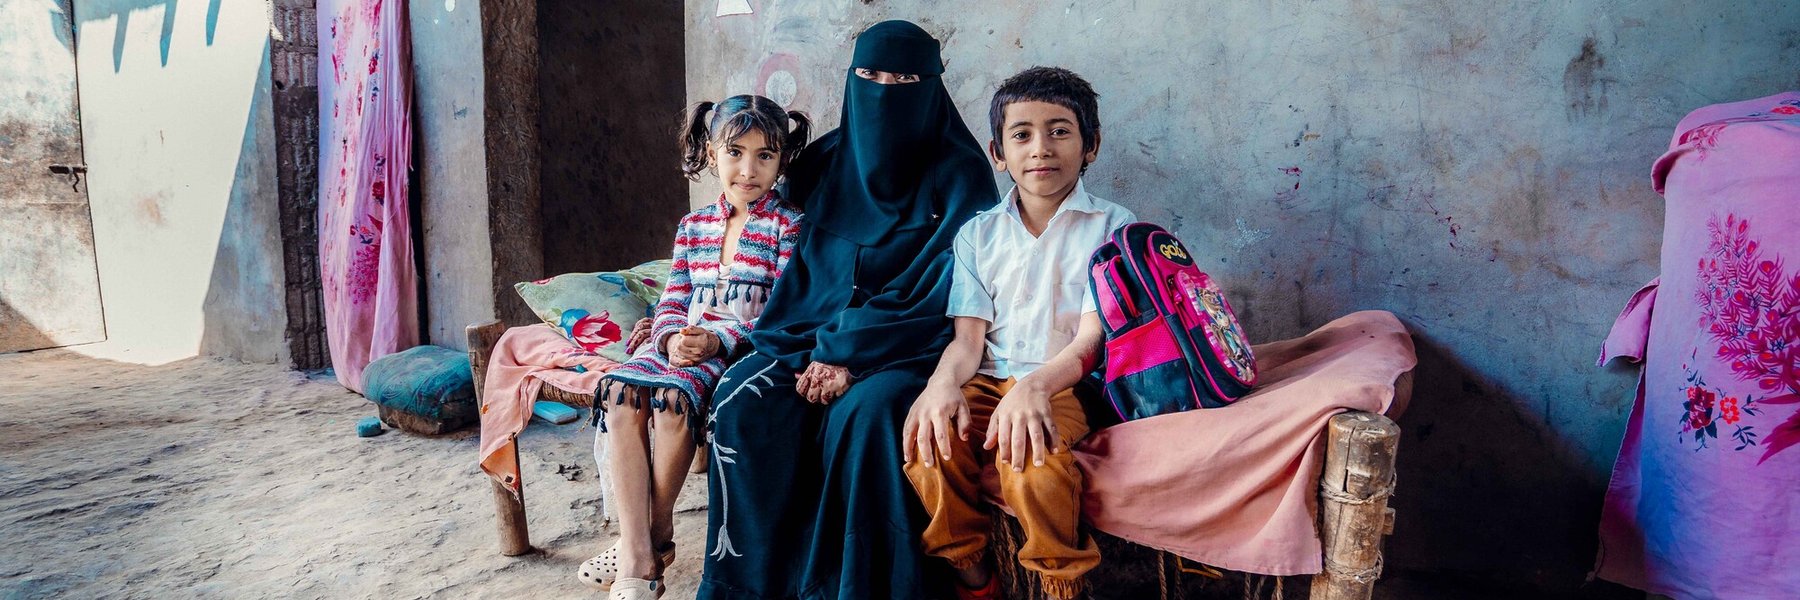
(1236, 487)
(524, 359)
(1703, 501)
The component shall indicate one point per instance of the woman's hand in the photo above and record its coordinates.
(691, 346)
(938, 412)
(821, 383)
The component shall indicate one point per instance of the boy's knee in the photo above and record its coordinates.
(919, 472)
(1058, 470)
(942, 471)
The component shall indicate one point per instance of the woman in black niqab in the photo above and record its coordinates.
(808, 500)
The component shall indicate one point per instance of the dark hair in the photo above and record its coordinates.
(786, 131)
(1054, 85)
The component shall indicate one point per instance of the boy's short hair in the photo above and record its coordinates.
(1054, 85)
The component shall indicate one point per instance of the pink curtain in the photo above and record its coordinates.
(365, 238)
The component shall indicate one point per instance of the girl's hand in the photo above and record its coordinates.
(691, 346)
(640, 333)
(1022, 428)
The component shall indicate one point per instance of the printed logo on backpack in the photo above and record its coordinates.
(1172, 341)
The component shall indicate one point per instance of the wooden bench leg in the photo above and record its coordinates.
(510, 509)
(1354, 488)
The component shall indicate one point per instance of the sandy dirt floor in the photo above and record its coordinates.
(207, 478)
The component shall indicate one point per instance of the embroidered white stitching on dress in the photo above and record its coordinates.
(722, 455)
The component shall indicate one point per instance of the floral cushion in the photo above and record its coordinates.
(597, 310)
(647, 280)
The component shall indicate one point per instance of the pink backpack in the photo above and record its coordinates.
(1172, 342)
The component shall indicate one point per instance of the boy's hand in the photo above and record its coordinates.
(938, 409)
(1022, 428)
(691, 346)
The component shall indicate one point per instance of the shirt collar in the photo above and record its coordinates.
(1079, 201)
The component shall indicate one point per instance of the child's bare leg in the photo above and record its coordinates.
(673, 453)
(629, 429)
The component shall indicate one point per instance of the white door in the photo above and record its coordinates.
(49, 286)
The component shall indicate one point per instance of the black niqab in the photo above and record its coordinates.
(888, 137)
(884, 195)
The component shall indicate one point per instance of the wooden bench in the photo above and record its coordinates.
(514, 538)
(1355, 483)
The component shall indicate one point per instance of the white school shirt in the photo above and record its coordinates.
(1031, 290)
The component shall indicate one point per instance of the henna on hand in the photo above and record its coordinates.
(640, 333)
(834, 381)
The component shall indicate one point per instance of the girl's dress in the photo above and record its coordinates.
(723, 299)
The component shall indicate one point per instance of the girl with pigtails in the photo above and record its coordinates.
(727, 256)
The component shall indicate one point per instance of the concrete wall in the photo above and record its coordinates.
(540, 170)
(1481, 170)
(451, 162)
(178, 134)
(610, 75)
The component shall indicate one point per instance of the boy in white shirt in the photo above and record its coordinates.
(1026, 332)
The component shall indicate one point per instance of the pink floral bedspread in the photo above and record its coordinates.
(1705, 497)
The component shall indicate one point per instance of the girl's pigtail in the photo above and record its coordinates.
(693, 140)
(797, 136)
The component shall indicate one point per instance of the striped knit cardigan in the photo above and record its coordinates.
(695, 284)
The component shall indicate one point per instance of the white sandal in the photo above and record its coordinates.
(632, 588)
(598, 572)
